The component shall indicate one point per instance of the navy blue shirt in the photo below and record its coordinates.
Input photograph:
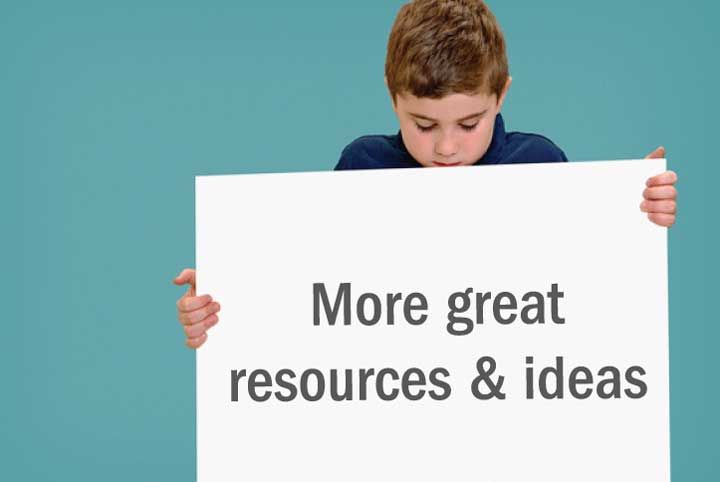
(380, 151)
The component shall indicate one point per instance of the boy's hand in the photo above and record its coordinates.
(196, 313)
(660, 194)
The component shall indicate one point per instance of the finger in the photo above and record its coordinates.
(187, 304)
(665, 220)
(186, 276)
(197, 329)
(667, 177)
(658, 153)
(192, 317)
(200, 314)
(664, 207)
(195, 343)
(660, 192)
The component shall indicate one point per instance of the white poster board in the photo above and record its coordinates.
(542, 264)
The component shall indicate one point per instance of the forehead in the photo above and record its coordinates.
(448, 108)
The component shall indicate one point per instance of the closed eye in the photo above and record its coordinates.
(465, 127)
(425, 128)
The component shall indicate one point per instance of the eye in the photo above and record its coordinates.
(425, 128)
(467, 127)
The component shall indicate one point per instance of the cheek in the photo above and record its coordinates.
(478, 143)
(418, 144)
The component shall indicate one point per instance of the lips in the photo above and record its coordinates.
(440, 164)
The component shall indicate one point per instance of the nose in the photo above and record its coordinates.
(446, 146)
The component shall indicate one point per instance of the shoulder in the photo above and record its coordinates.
(523, 147)
(520, 147)
(375, 152)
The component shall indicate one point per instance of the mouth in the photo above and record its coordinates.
(440, 164)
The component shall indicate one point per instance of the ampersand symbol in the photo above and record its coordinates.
(484, 377)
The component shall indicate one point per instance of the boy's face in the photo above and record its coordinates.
(454, 130)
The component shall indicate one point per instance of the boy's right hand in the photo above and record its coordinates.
(196, 313)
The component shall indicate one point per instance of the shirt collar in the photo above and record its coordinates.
(497, 143)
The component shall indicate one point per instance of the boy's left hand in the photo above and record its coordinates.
(660, 194)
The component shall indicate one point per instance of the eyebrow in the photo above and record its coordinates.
(420, 116)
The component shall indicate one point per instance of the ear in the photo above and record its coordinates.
(392, 99)
(504, 92)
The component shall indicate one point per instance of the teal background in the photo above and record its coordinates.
(107, 112)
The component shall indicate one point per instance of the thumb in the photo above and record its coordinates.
(186, 276)
(658, 153)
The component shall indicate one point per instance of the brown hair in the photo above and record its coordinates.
(441, 47)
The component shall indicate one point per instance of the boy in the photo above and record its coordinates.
(447, 74)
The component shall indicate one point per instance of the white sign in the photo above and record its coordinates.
(495, 323)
